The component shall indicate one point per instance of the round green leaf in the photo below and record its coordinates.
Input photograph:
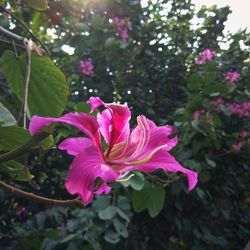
(120, 228)
(6, 118)
(107, 213)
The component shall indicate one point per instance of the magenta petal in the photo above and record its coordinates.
(144, 139)
(163, 160)
(75, 145)
(114, 126)
(84, 170)
(103, 189)
(95, 102)
(104, 118)
(120, 123)
(85, 122)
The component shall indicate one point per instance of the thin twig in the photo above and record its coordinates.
(15, 50)
(10, 35)
(2, 8)
(37, 198)
(19, 40)
(29, 47)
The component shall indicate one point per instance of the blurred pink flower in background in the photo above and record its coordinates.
(218, 102)
(244, 134)
(86, 68)
(232, 76)
(240, 110)
(121, 28)
(197, 114)
(206, 55)
(237, 146)
(124, 35)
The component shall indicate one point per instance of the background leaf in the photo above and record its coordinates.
(6, 118)
(38, 4)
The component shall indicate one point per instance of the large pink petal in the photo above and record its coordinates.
(74, 146)
(115, 125)
(84, 170)
(104, 119)
(84, 122)
(163, 160)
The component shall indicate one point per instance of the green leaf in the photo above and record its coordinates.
(120, 228)
(123, 203)
(38, 4)
(13, 137)
(108, 213)
(81, 27)
(211, 162)
(136, 181)
(140, 198)
(19, 142)
(6, 118)
(213, 88)
(156, 201)
(111, 236)
(194, 82)
(49, 244)
(48, 89)
(11, 166)
(151, 197)
(109, 42)
(15, 170)
(48, 142)
(100, 203)
(97, 22)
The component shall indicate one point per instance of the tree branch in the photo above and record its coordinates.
(2, 8)
(11, 36)
(39, 199)
(19, 40)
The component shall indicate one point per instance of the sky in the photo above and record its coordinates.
(238, 19)
(240, 16)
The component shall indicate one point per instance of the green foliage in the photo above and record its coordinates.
(150, 197)
(48, 89)
(13, 137)
(37, 4)
(6, 118)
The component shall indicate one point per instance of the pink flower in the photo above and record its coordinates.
(206, 55)
(197, 114)
(86, 68)
(144, 148)
(244, 134)
(241, 110)
(237, 146)
(124, 35)
(121, 28)
(218, 102)
(232, 76)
